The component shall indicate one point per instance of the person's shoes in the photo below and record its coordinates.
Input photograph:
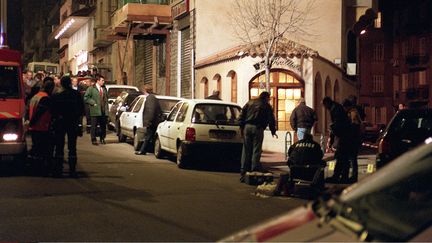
(95, 143)
(140, 153)
(102, 141)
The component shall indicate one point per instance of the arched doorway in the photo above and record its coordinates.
(327, 92)
(233, 75)
(286, 88)
(317, 103)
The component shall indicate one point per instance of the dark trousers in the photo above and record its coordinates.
(42, 148)
(252, 148)
(148, 136)
(101, 121)
(342, 156)
(69, 130)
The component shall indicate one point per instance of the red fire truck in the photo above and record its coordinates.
(12, 107)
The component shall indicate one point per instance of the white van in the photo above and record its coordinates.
(52, 68)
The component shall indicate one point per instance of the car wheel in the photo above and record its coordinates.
(158, 152)
(181, 158)
(121, 137)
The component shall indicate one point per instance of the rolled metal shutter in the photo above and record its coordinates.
(186, 75)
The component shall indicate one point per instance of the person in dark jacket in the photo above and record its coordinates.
(340, 139)
(256, 115)
(151, 117)
(39, 124)
(97, 98)
(67, 108)
(214, 96)
(302, 119)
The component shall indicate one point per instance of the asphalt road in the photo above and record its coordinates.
(120, 196)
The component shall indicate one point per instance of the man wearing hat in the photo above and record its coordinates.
(303, 119)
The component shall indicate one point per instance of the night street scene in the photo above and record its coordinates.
(215, 120)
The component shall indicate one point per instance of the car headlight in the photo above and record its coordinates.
(10, 137)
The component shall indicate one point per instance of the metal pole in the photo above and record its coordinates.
(3, 24)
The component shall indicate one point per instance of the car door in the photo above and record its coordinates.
(164, 134)
(127, 117)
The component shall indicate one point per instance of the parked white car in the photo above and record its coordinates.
(115, 90)
(204, 129)
(132, 117)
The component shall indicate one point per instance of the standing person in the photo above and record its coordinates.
(256, 115)
(39, 125)
(97, 98)
(356, 133)
(215, 95)
(67, 110)
(57, 85)
(151, 117)
(360, 109)
(339, 135)
(302, 119)
(28, 81)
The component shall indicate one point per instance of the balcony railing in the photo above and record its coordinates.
(161, 2)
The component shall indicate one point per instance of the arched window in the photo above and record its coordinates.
(286, 89)
(327, 92)
(218, 80)
(233, 76)
(336, 94)
(205, 82)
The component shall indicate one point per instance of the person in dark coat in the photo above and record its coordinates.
(151, 117)
(97, 98)
(67, 108)
(214, 96)
(340, 139)
(302, 119)
(256, 115)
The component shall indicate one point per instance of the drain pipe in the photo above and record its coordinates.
(3, 24)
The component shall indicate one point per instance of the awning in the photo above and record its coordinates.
(69, 26)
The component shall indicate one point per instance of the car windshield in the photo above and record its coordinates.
(219, 114)
(413, 126)
(114, 92)
(9, 82)
(167, 105)
(399, 211)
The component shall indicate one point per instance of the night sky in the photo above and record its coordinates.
(15, 29)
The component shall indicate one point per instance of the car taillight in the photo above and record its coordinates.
(190, 134)
(384, 146)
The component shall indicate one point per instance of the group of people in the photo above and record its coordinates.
(346, 130)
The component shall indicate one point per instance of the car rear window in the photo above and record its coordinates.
(114, 92)
(9, 82)
(419, 124)
(219, 114)
(167, 104)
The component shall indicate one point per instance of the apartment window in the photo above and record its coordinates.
(395, 86)
(404, 85)
(378, 52)
(378, 23)
(422, 45)
(378, 83)
(422, 77)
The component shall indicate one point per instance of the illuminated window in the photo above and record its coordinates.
(378, 23)
(285, 91)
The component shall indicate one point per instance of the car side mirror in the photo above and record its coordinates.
(124, 108)
(110, 102)
(164, 117)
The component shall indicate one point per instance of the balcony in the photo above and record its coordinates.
(101, 37)
(145, 19)
(416, 62)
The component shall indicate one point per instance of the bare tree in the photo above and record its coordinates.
(264, 24)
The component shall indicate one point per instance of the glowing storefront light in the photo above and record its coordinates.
(66, 27)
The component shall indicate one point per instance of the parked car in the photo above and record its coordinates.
(123, 100)
(407, 129)
(393, 204)
(204, 128)
(132, 117)
(114, 91)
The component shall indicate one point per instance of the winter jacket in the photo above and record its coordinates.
(303, 117)
(258, 112)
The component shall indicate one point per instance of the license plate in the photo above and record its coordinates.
(222, 134)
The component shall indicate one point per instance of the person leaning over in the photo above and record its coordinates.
(97, 98)
(302, 119)
(256, 115)
(151, 117)
(67, 108)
